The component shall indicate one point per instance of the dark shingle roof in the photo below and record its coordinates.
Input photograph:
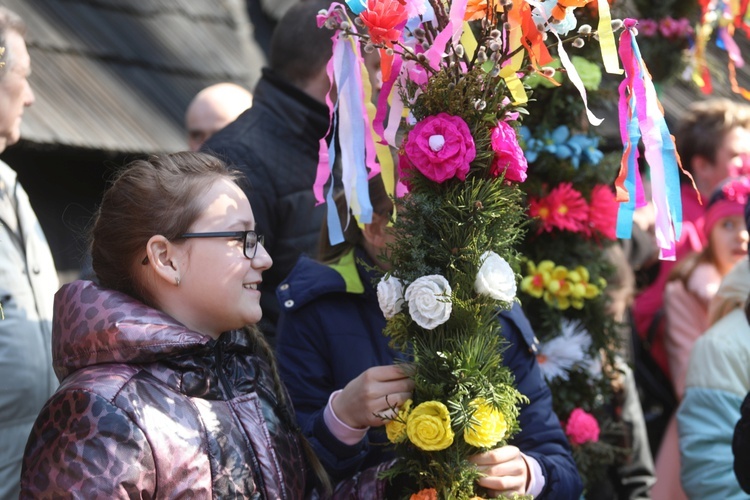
(117, 75)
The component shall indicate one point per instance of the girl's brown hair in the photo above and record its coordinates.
(158, 195)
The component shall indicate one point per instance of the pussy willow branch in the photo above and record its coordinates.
(441, 16)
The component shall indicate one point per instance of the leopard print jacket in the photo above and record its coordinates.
(150, 409)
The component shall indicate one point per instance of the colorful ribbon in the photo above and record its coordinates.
(607, 39)
(350, 118)
(575, 79)
(638, 102)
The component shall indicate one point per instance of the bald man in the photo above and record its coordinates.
(212, 109)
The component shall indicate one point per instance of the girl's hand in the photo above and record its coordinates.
(506, 471)
(374, 392)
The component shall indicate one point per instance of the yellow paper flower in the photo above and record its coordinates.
(558, 289)
(581, 287)
(538, 278)
(429, 426)
(561, 302)
(558, 283)
(396, 429)
(491, 426)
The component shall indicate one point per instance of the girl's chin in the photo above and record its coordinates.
(253, 318)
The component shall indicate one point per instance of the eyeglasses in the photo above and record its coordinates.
(250, 239)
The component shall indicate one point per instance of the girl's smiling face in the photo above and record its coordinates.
(219, 284)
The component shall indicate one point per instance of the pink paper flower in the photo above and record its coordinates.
(647, 27)
(509, 157)
(582, 427)
(440, 147)
(602, 212)
(384, 20)
(669, 27)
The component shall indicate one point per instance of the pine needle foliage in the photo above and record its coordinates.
(445, 228)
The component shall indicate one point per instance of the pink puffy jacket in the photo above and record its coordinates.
(150, 409)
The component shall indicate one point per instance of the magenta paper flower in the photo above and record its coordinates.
(603, 212)
(647, 27)
(440, 147)
(509, 157)
(582, 427)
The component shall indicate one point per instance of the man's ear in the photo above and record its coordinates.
(162, 258)
(702, 169)
(374, 232)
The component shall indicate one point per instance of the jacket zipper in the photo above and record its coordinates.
(220, 369)
(227, 387)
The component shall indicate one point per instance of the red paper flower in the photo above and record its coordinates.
(582, 427)
(509, 156)
(563, 208)
(384, 20)
(440, 147)
(602, 212)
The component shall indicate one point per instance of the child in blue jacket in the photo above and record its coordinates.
(340, 371)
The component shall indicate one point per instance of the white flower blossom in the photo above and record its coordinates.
(558, 356)
(429, 299)
(390, 296)
(495, 278)
(594, 367)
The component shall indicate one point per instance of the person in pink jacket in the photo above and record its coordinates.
(691, 286)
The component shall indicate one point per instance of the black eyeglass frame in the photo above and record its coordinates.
(259, 238)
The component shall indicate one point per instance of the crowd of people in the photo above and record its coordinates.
(225, 349)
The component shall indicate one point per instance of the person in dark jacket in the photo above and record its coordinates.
(275, 145)
(165, 392)
(741, 446)
(338, 367)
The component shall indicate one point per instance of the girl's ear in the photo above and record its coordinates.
(374, 232)
(162, 259)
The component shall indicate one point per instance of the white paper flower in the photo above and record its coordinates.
(429, 299)
(390, 296)
(558, 356)
(495, 278)
(594, 367)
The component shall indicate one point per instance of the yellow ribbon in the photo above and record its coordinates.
(607, 40)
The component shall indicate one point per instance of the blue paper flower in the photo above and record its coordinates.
(563, 145)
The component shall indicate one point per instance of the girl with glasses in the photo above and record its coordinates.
(167, 389)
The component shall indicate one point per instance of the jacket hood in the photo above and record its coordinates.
(310, 279)
(94, 325)
(732, 293)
